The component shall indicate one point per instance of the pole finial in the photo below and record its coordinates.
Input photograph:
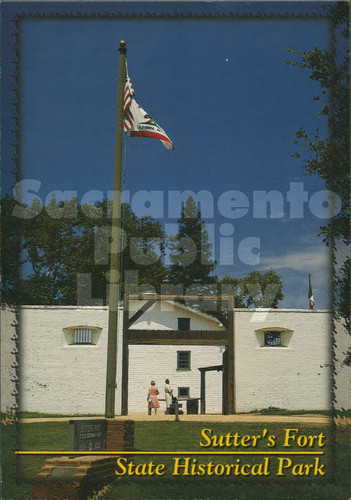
(122, 47)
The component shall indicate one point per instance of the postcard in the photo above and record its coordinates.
(175, 250)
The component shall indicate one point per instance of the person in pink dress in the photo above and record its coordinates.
(152, 398)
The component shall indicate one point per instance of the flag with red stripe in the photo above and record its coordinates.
(137, 122)
(128, 94)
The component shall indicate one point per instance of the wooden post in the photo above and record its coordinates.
(125, 357)
(231, 364)
(114, 288)
(225, 383)
(203, 391)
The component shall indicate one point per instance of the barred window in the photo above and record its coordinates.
(82, 336)
(183, 360)
(272, 339)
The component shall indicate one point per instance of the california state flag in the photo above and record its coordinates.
(137, 122)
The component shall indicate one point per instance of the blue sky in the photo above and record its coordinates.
(224, 93)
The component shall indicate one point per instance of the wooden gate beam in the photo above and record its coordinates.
(178, 337)
(141, 311)
(150, 296)
(203, 392)
(125, 358)
(225, 383)
(231, 363)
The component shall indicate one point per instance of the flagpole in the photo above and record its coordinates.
(114, 295)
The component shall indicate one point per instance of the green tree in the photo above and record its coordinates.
(11, 258)
(258, 289)
(232, 286)
(329, 157)
(342, 292)
(191, 251)
(65, 249)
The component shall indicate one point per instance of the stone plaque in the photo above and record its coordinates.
(87, 435)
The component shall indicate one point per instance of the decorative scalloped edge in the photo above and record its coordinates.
(17, 18)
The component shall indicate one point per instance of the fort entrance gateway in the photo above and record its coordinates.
(224, 337)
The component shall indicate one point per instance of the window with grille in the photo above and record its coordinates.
(272, 339)
(183, 360)
(274, 336)
(183, 323)
(82, 336)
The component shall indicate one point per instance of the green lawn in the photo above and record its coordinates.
(185, 436)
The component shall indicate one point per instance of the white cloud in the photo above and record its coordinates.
(294, 267)
(307, 260)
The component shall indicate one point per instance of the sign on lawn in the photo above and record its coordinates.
(87, 435)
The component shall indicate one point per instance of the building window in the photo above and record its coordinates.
(272, 339)
(183, 392)
(183, 323)
(274, 336)
(183, 360)
(82, 336)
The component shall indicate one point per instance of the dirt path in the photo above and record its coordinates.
(244, 417)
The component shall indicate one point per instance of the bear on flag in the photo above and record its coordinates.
(137, 122)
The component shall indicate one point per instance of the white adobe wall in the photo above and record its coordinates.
(157, 363)
(8, 370)
(56, 377)
(70, 379)
(296, 377)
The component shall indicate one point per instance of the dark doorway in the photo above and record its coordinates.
(224, 369)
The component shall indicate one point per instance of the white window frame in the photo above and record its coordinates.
(82, 335)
